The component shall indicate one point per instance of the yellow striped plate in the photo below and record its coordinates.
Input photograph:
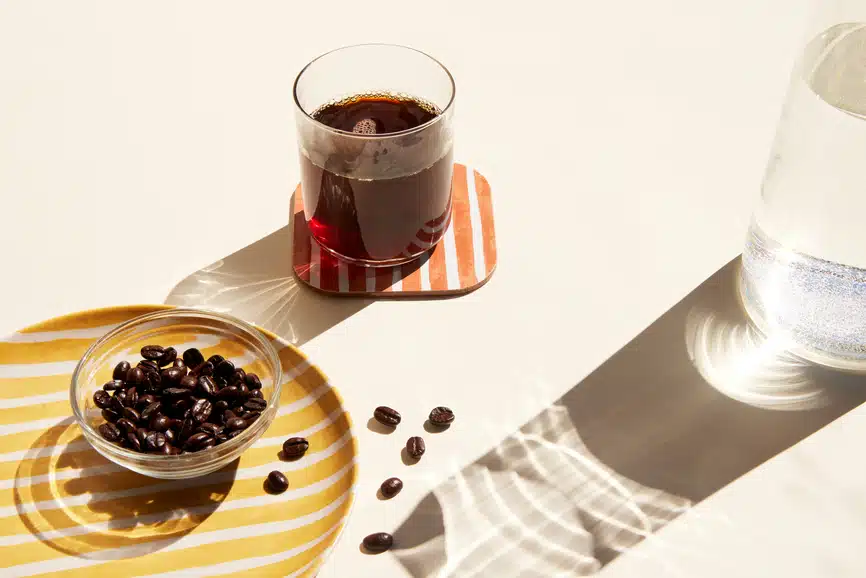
(67, 511)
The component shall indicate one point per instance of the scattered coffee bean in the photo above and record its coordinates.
(110, 432)
(415, 447)
(441, 416)
(120, 371)
(168, 356)
(193, 357)
(391, 487)
(101, 398)
(277, 482)
(295, 447)
(387, 416)
(152, 352)
(378, 542)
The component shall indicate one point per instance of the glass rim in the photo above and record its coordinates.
(95, 438)
(374, 137)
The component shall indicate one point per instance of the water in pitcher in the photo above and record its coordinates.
(804, 265)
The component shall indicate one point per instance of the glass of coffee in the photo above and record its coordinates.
(376, 138)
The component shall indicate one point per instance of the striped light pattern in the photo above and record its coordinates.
(67, 511)
(461, 262)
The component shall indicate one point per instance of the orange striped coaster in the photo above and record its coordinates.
(463, 261)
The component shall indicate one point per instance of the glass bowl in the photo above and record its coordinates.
(211, 333)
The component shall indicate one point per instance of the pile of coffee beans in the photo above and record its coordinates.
(440, 418)
(171, 405)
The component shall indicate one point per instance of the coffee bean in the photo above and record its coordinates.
(154, 441)
(252, 380)
(391, 487)
(215, 359)
(171, 376)
(235, 434)
(141, 434)
(257, 393)
(277, 482)
(120, 397)
(193, 357)
(126, 426)
(153, 380)
(224, 369)
(243, 390)
(134, 442)
(135, 376)
(441, 416)
(113, 385)
(205, 368)
(228, 393)
(201, 410)
(171, 450)
(188, 382)
(120, 370)
(145, 400)
(255, 404)
(160, 423)
(228, 414)
(238, 376)
(152, 352)
(175, 392)
(168, 356)
(148, 365)
(131, 414)
(378, 542)
(415, 447)
(180, 364)
(220, 407)
(236, 423)
(180, 406)
(170, 436)
(101, 398)
(211, 429)
(109, 431)
(116, 404)
(187, 428)
(148, 411)
(295, 447)
(197, 439)
(206, 386)
(387, 416)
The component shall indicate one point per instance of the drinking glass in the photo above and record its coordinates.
(375, 199)
(804, 264)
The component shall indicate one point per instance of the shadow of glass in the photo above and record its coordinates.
(257, 284)
(77, 502)
(677, 414)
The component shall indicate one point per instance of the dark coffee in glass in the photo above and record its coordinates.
(376, 166)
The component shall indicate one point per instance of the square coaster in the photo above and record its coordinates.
(462, 261)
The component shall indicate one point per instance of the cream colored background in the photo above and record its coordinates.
(625, 142)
